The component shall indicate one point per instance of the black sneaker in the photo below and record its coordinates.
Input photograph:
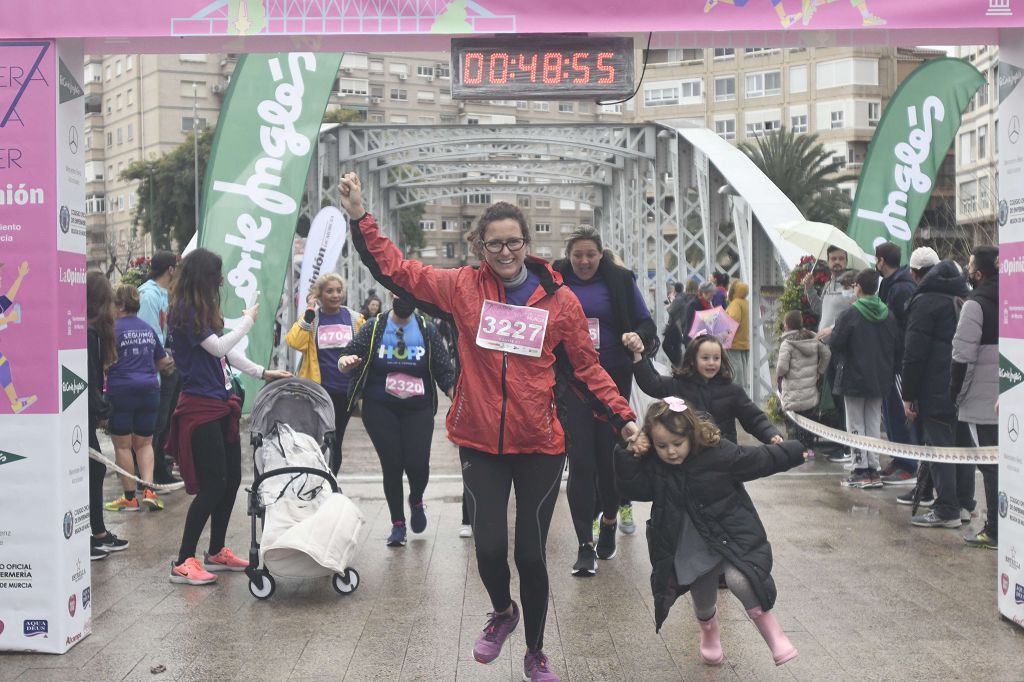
(110, 543)
(417, 517)
(606, 541)
(97, 554)
(586, 562)
(907, 498)
(397, 537)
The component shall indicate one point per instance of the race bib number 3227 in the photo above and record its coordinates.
(512, 328)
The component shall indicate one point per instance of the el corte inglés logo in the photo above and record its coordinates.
(71, 386)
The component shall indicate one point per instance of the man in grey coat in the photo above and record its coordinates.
(975, 379)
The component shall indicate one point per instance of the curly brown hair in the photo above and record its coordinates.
(195, 298)
(700, 432)
(688, 367)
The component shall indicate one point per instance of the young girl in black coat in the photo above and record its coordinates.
(704, 380)
(703, 523)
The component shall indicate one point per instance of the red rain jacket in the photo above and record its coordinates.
(504, 402)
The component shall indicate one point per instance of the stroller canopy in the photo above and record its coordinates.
(302, 404)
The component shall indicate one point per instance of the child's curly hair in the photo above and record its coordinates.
(702, 433)
(688, 367)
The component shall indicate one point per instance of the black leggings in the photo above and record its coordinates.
(97, 470)
(590, 444)
(341, 416)
(219, 471)
(488, 480)
(401, 435)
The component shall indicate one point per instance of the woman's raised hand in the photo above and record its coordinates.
(252, 311)
(350, 191)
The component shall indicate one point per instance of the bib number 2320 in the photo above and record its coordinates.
(512, 328)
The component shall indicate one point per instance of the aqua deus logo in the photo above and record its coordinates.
(34, 628)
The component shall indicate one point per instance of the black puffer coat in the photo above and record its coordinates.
(708, 486)
(928, 349)
(722, 400)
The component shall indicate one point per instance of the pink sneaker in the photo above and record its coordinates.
(225, 560)
(191, 573)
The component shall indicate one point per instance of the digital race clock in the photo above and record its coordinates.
(542, 67)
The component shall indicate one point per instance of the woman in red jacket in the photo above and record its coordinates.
(513, 315)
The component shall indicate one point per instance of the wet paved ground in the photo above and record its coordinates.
(861, 594)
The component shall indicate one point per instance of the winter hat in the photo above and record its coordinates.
(923, 257)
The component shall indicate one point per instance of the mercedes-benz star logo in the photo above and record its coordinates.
(1013, 427)
(73, 139)
(76, 439)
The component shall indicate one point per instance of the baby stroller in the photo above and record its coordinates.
(309, 528)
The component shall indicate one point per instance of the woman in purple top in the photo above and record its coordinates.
(133, 390)
(614, 306)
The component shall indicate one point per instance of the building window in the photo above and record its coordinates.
(566, 228)
(478, 199)
(110, 105)
(376, 117)
(759, 51)
(726, 128)
(450, 225)
(109, 72)
(798, 79)
(110, 139)
(377, 66)
(660, 95)
(842, 72)
(691, 91)
(93, 171)
(399, 118)
(398, 69)
(93, 72)
(428, 225)
(874, 113)
(725, 89)
(120, 202)
(129, 62)
(541, 106)
(425, 71)
(724, 53)
(130, 97)
(763, 84)
(117, 68)
(186, 123)
(449, 249)
(566, 108)
(131, 200)
(117, 100)
(798, 124)
(95, 204)
(611, 108)
(523, 201)
(353, 86)
(542, 203)
(196, 58)
(542, 228)
(443, 71)
(399, 94)
(131, 132)
(425, 96)
(967, 148)
(449, 119)
(836, 119)
(983, 141)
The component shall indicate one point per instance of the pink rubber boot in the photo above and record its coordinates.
(710, 643)
(782, 649)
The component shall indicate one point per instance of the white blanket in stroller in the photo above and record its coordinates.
(310, 539)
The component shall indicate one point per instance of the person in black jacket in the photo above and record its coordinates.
(863, 339)
(895, 290)
(928, 349)
(678, 310)
(613, 305)
(704, 380)
(102, 353)
(703, 522)
(402, 358)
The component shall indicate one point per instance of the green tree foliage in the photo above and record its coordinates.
(166, 193)
(409, 222)
(805, 172)
(344, 115)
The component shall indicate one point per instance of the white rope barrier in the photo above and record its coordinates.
(978, 455)
(100, 457)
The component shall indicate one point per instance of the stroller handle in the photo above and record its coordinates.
(283, 471)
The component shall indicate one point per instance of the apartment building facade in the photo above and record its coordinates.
(977, 148)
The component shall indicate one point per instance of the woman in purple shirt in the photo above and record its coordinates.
(614, 306)
(133, 390)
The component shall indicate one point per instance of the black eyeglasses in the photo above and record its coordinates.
(496, 245)
(400, 346)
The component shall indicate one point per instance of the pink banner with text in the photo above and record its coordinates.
(28, 231)
(183, 18)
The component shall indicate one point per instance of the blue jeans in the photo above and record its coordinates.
(896, 426)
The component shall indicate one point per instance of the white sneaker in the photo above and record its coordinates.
(465, 531)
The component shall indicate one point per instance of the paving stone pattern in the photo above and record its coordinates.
(861, 594)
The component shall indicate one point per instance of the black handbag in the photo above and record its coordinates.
(237, 389)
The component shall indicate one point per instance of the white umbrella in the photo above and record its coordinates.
(815, 238)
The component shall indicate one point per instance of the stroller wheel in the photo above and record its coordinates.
(262, 587)
(347, 582)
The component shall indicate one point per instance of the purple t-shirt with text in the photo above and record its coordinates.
(138, 350)
(201, 373)
(596, 301)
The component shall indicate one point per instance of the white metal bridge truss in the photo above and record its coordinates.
(655, 197)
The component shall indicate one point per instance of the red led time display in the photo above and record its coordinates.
(542, 67)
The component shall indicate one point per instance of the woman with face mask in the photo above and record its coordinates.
(396, 360)
(511, 314)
